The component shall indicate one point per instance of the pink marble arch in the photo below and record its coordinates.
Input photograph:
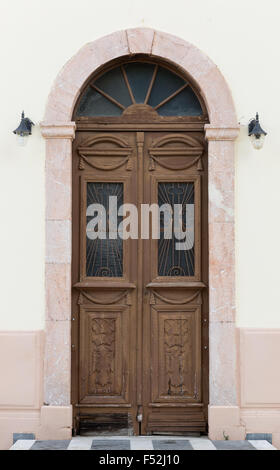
(59, 132)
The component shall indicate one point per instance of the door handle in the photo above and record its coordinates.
(139, 416)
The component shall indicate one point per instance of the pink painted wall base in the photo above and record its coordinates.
(21, 393)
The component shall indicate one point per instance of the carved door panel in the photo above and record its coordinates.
(104, 283)
(139, 326)
(175, 315)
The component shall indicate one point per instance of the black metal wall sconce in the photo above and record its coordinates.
(256, 133)
(23, 130)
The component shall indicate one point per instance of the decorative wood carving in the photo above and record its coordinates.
(106, 301)
(91, 141)
(177, 355)
(105, 167)
(80, 299)
(173, 167)
(128, 298)
(175, 302)
(102, 355)
(152, 298)
(145, 111)
(88, 150)
(179, 138)
(161, 150)
(81, 163)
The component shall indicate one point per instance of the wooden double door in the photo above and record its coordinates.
(140, 304)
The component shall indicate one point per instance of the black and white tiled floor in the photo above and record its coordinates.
(141, 443)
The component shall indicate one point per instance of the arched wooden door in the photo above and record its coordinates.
(140, 305)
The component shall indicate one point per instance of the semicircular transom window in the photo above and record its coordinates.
(139, 83)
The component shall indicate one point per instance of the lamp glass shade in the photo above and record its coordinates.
(257, 143)
(22, 140)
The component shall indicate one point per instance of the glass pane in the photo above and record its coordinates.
(184, 104)
(104, 254)
(165, 84)
(139, 76)
(94, 104)
(176, 253)
(113, 84)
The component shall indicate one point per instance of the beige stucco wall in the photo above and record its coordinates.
(37, 38)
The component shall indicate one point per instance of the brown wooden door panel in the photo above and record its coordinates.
(140, 332)
(181, 421)
(176, 349)
(104, 373)
(104, 281)
(175, 306)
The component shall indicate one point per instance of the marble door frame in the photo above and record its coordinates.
(59, 131)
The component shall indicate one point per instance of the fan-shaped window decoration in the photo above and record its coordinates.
(139, 83)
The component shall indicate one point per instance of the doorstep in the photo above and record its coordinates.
(141, 443)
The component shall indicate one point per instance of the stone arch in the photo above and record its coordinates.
(93, 55)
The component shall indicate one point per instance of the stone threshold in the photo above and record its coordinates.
(140, 443)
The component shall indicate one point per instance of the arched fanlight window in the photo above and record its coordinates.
(139, 83)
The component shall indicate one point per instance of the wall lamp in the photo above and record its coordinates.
(23, 130)
(256, 133)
